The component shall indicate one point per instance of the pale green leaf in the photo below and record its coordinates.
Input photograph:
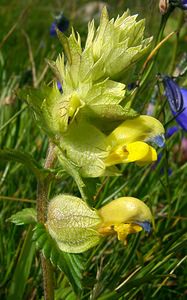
(98, 41)
(65, 43)
(119, 20)
(24, 158)
(76, 51)
(58, 67)
(50, 107)
(86, 64)
(108, 111)
(72, 170)
(136, 33)
(25, 216)
(91, 33)
(105, 92)
(113, 68)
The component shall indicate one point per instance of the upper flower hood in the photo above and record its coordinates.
(177, 98)
(143, 128)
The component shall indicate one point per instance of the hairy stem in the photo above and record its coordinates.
(42, 196)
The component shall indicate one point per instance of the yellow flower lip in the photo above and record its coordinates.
(139, 152)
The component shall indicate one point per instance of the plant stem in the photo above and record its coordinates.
(42, 196)
(176, 44)
(148, 67)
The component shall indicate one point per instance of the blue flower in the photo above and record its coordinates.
(177, 98)
(179, 3)
(59, 86)
(184, 4)
(60, 22)
(171, 130)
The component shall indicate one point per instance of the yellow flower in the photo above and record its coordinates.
(124, 216)
(128, 141)
(140, 152)
(76, 227)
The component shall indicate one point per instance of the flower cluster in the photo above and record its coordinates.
(87, 78)
(94, 127)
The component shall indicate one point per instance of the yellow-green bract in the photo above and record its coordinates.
(88, 74)
(92, 110)
(72, 224)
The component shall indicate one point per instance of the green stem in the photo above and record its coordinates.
(158, 40)
(173, 60)
(42, 196)
(167, 185)
(147, 72)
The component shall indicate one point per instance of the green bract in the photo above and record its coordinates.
(93, 103)
(115, 41)
(88, 74)
(72, 224)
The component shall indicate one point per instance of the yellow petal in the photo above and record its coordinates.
(124, 229)
(139, 152)
(124, 210)
(142, 128)
(74, 104)
(118, 155)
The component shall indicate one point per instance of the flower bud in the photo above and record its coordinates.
(163, 6)
(60, 22)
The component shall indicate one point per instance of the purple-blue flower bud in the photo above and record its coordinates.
(60, 22)
(59, 86)
(171, 130)
(179, 3)
(177, 98)
(184, 4)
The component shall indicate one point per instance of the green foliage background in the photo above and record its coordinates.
(149, 267)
